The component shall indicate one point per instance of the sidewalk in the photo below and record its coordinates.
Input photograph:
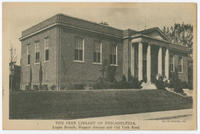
(185, 114)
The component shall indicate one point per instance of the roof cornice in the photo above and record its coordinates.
(66, 25)
(72, 22)
(170, 45)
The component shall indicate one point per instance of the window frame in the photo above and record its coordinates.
(37, 51)
(180, 64)
(83, 49)
(28, 54)
(116, 52)
(46, 47)
(95, 52)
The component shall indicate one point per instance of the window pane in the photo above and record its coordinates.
(76, 54)
(97, 51)
(35, 57)
(113, 54)
(47, 54)
(29, 59)
(78, 49)
(98, 59)
(180, 62)
(80, 55)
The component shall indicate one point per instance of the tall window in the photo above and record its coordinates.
(46, 49)
(180, 64)
(28, 55)
(79, 50)
(97, 55)
(113, 55)
(171, 63)
(37, 52)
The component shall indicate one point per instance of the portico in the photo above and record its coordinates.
(152, 60)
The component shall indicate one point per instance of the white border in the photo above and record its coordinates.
(103, 132)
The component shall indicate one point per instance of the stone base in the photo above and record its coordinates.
(148, 86)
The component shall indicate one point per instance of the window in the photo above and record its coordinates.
(113, 55)
(97, 55)
(171, 66)
(180, 64)
(46, 49)
(79, 50)
(37, 52)
(29, 59)
(28, 55)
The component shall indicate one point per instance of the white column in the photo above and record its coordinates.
(167, 63)
(160, 61)
(149, 64)
(132, 59)
(140, 62)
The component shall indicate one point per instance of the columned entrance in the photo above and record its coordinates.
(148, 61)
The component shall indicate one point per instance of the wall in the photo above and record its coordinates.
(184, 74)
(49, 68)
(125, 57)
(84, 72)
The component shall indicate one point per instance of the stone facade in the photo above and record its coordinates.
(143, 53)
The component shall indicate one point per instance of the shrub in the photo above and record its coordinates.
(111, 71)
(102, 84)
(62, 87)
(184, 84)
(27, 87)
(78, 86)
(53, 87)
(176, 83)
(123, 78)
(123, 84)
(35, 87)
(159, 82)
(44, 87)
(135, 82)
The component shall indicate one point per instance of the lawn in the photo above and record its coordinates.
(92, 103)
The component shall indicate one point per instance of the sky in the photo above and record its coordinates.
(20, 16)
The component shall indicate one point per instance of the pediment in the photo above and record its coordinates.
(155, 33)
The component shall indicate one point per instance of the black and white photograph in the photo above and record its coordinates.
(99, 66)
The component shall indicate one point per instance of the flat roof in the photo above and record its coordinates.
(61, 19)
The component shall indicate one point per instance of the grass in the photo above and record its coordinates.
(92, 103)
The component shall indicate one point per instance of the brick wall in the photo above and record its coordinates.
(87, 71)
(184, 74)
(49, 68)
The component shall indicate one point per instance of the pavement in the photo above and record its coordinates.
(184, 114)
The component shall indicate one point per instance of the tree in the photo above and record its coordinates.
(180, 34)
(13, 60)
